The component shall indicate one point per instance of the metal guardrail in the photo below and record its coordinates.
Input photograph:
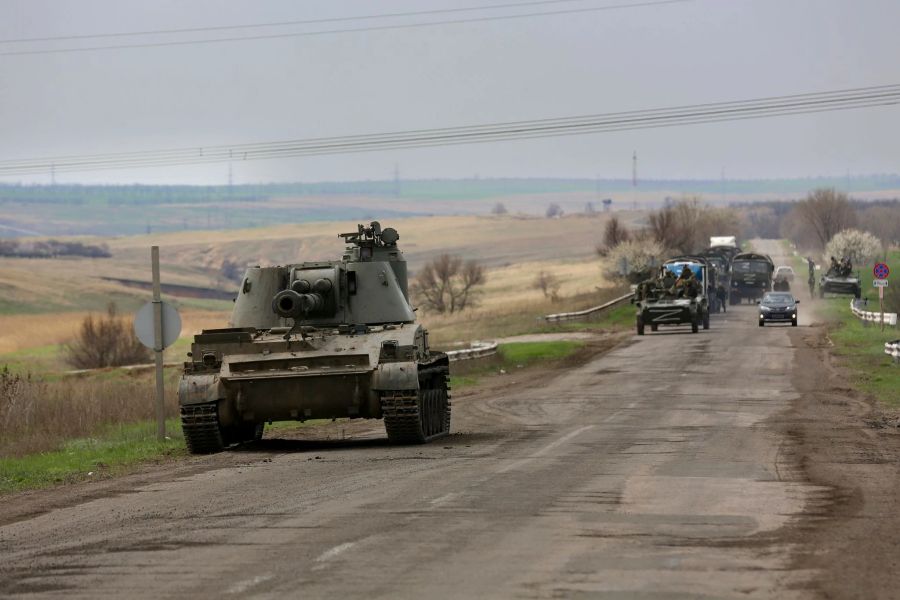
(579, 314)
(478, 350)
(892, 349)
(856, 307)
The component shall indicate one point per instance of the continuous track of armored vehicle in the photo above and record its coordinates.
(318, 340)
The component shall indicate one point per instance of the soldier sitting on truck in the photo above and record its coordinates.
(686, 284)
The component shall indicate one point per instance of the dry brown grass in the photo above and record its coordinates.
(21, 332)
(38, 415)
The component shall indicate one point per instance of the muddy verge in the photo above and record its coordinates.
(842, 440)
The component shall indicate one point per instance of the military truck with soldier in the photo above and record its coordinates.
(751, 277)
(318, 340)
(674, 297)
(839, 279)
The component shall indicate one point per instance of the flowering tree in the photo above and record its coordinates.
(859, 246)
(634, 260)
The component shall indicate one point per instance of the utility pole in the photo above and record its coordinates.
(230, 173)
(724, 194)
(634, 180)
(396, 180)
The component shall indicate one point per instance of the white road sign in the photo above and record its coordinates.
(880, 282)
(143, 324)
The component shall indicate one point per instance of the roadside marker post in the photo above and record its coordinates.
(158, 347)
(881, 272)
(157, 325)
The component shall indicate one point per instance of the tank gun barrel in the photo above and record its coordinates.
(291, 304)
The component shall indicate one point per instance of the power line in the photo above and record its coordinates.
(493, 132)
(322, 32)
(368, 17)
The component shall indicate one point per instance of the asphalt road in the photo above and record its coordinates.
(650, 471)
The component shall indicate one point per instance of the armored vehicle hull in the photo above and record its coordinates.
(678, 311)
(320, 340)
(831, 284)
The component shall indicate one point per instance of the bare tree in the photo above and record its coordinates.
(554, 210)
(672, 226)
(826, 212)
(883, 221)
(107, 341)
(449, 284)
(499, 209)
(548, 284)
(614, 233)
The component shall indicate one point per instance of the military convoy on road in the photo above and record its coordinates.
(318, 340)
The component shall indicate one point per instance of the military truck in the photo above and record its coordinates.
(704, 275)
(318, 340)
(839, 279)
(662, 301)
(751, 277)
(724, 244)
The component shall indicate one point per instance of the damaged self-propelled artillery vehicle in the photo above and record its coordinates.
(318, 340)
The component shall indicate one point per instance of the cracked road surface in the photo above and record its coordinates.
(649, 471)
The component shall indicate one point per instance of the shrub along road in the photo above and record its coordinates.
(721, 464)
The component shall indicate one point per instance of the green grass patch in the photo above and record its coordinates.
(509, 358)
(524, 353)
(861, 347)
(112, 451)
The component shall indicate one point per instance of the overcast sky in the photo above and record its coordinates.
(454, 74)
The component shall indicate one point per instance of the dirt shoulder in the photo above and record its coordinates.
(849, 445)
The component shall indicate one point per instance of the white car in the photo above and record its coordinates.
(784, 272)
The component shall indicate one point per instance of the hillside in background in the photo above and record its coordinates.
(57, 210)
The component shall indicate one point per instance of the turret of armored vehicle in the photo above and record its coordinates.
(318, 340)
(840, 279)
(751, 276)
(671, 300)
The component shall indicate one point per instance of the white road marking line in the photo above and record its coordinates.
(242, 586)
(545, 449)
(331, 553)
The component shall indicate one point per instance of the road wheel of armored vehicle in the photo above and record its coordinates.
(695, 326)
(640, 326)
(706, 320)
(416, 417)
(200, 427)
(654, 327)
